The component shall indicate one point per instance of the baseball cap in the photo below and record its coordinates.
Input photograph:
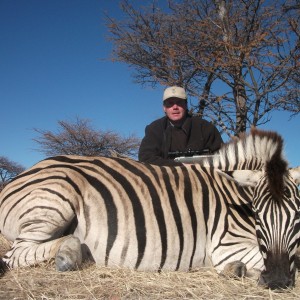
(174, 92)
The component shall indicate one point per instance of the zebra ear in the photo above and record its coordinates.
(243, 177)
(295, 173)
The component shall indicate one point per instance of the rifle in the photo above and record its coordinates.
(190, 156)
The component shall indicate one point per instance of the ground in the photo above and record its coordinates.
(91, 282)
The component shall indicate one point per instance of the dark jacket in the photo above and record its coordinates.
(155, 146)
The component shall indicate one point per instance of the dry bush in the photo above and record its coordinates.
(91, 282)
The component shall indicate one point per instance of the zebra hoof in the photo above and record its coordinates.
(69, 256)
(235, 269)
(254, 274)
(3, 267)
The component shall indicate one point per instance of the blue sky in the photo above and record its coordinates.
(54, 66)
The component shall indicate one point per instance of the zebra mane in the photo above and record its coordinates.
(257, 150)
(252, 151)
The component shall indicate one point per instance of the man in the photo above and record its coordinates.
(177, 131)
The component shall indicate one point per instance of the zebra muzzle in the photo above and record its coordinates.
(277, 284)
(277, 280)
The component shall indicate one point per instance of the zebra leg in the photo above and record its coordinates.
(235, 269)
(26, 252)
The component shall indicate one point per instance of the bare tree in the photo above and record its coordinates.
(237, 58)
(292, 9)
(8, 170)
(79, 138)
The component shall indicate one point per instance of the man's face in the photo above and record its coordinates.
(175, 109)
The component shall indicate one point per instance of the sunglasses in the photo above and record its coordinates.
(172, 102)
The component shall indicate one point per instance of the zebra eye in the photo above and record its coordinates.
(287, 192)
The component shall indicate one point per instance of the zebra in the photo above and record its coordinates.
(237, 211)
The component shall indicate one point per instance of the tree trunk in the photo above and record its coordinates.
(241, 106)
(205, 93)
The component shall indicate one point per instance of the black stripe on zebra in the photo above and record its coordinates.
(175, 210)
(137, 209)
(158, 211)
(188, 196)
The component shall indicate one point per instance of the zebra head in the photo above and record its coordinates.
(276, 208)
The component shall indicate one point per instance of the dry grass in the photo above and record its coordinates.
(92, 282)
